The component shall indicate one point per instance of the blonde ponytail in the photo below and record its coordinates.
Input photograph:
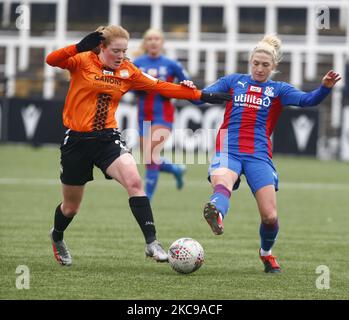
(270, 44)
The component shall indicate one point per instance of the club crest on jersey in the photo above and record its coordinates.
(124, 73)
(108, 72)
(255, 89)
(269, 91)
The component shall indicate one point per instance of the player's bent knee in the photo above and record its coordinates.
(70, 210)
(270, 219)
(134, 185)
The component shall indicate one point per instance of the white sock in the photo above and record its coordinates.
(265, 253)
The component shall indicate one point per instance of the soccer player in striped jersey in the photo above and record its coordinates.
(156, 112)
(243, 144)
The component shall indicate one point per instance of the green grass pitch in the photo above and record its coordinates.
(108, 249)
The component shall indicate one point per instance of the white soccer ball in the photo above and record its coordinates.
(186, 255)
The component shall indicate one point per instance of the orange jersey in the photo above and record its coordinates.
(95, 91)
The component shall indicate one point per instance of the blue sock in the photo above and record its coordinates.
(167, 166)
(220, 198)
(268, 234)
(151, 179)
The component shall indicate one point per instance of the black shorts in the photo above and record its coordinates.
(81, 151)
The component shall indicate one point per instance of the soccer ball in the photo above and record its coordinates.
(186, 255)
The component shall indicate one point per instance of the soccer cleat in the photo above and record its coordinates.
(179, 173)
(156, 251)
(270, 263)
(214, 218)
(60, 251)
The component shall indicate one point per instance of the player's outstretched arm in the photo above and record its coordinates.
(330, 79)
(215, 97)
(292, 96)
(210, 97)
(315, 97)
(142, 81)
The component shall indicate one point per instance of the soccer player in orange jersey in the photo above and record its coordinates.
(99, 78)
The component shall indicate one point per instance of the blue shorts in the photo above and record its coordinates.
(259, 171)
(143, 126)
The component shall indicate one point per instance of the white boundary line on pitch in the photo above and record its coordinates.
(189, 183)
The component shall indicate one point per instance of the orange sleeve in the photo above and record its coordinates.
(65, 58)
(144, 82)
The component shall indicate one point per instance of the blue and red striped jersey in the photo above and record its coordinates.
(154, 107)
(251, 116)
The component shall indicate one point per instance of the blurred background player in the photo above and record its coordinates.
(156, 112)
(243, 143)
(99, 78)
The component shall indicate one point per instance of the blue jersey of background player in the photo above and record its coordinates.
(153, 107)
(243, 143)
(155, 112)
